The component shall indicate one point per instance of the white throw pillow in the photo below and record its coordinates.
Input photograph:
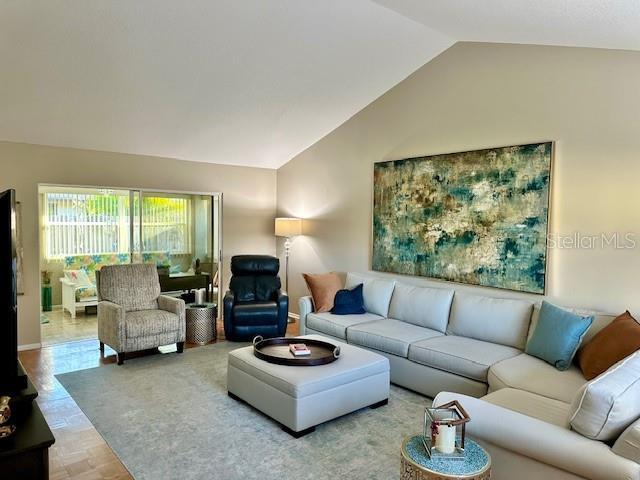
(376, 292)
(79, 277)
(603, 408)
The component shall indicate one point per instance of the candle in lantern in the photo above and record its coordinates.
(446, 438)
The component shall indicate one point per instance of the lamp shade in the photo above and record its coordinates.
(288, 227)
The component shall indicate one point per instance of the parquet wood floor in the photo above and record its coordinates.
(80, 453)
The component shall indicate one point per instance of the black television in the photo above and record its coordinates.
(12, 376)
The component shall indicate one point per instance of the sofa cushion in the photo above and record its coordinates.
(609, 403)
(142, 323)
(495, 320)
(425, 307)
(460, 355)
(391, 336)
(376, 291)
(336, 325)
(255, 313)
(628, 444)
(531, 374)
(531, 404)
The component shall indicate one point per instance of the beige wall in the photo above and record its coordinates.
(483, 95)
(248, 200)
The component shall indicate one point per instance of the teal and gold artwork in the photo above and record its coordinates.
(476, 217)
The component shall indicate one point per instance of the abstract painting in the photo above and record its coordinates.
(476, 217)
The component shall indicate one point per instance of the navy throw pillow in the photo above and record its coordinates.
(349, 302)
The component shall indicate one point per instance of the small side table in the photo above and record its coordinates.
(46, 298)
(201, 322)
(416, 464)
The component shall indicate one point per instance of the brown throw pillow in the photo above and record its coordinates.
(614, 342)
(323, 288)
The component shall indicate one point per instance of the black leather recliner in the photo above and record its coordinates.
(255, 304)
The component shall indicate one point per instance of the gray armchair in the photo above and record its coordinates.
(132, 315)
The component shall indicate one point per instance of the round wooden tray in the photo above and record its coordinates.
(276, 350)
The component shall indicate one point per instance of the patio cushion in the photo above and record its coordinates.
(336, 325)
(460, 355)
(86, 294)
(391, 336)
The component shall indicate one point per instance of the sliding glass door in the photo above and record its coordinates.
(85, 222)
(83, 229)
(179, 232)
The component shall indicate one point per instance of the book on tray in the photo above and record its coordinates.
(299, 349)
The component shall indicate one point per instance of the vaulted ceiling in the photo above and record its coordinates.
(246, 82)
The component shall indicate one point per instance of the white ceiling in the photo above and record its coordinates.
(246, 82)
(574, 23)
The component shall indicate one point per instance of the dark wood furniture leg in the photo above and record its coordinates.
(102, 347)
(293, 433)
(120, 356)
(180, 346)
(235, 397)
(299, 434)
(382, 403)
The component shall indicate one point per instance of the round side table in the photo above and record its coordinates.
(201, 322)
(416, 464)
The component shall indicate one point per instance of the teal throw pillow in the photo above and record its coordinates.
(557, 336)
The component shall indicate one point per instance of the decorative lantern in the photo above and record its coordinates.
(444, 431)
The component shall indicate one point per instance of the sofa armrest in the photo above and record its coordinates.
(628, 444)
(546, 443)
(282, 300)
(111, 325)
(172, 304)
(305, 306)
(177, 306)
(227, 311)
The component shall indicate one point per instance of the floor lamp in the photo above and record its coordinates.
(288, 227)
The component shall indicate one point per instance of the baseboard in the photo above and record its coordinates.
(29, 346)
(293, 317)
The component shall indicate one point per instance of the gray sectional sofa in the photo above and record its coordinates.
(448, 345)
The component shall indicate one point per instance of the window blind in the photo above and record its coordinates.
(77, 223)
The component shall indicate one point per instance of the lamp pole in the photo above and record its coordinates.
(287, 248)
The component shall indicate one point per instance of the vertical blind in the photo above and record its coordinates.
(77, 223)
(166, 224)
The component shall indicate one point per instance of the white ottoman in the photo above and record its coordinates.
(300, 398)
